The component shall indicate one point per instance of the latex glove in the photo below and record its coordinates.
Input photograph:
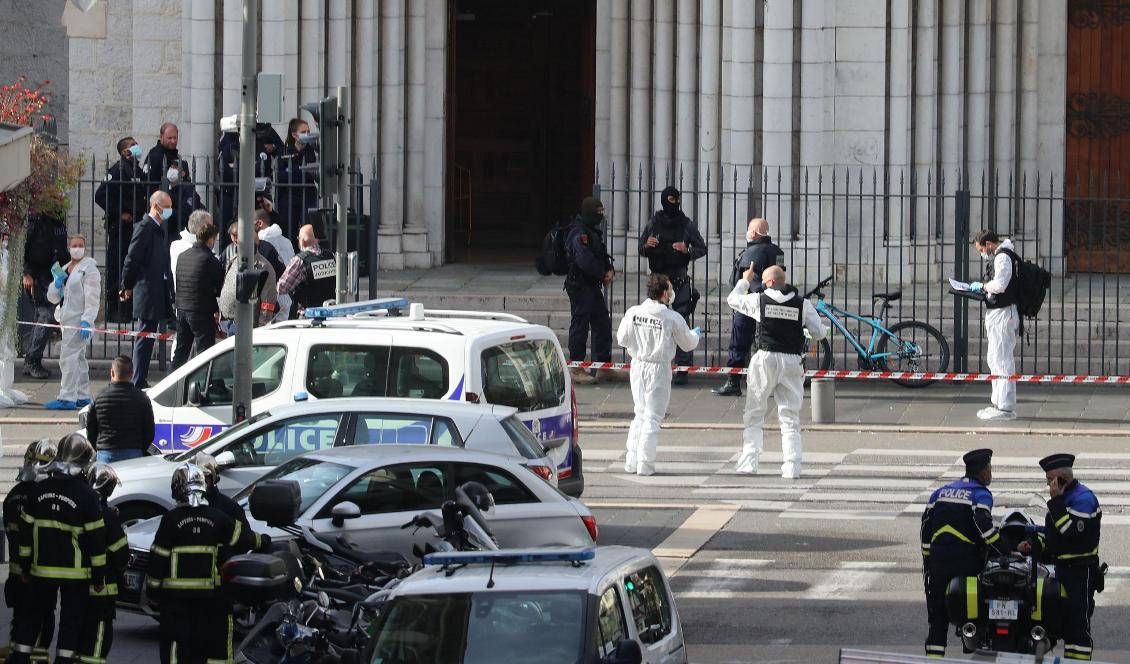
(85, 332)
(976, 287)
(59, 281)
(827, 331)
(697, 330)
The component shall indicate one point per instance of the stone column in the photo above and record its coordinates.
(618, 116)
(232, 54)
(311, 52)
(364, 97)
(1004, 112)
(414, 109)
(739, 156)
(1051, 115)
(663, 85)
(280, 53)
(951, 92)
(686, 87)
(639, 207)
(201, 127)
(435, 127)
(709, 111)
(603, 102)
(927, 91)
(339, 50)
(977, 96)
(392, 133)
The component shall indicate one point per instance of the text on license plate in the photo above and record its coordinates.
(132, 580)
(1003, 609)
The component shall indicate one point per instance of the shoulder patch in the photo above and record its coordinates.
(584, 238)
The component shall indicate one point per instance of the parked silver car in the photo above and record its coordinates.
(248, 450)
(369, 492)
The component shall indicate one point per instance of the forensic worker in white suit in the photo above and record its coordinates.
(77, 294)
(782, 316)
(650, 331)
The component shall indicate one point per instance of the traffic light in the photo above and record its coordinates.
(328, 169)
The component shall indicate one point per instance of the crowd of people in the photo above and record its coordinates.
(166, 260)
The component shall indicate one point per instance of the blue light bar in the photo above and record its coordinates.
(511, 556)
(353, 308)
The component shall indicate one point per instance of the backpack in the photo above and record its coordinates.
(554, 258)
(1032, 284)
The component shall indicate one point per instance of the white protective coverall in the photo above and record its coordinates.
(1002, 327)
(77, 302)
(777, 374)
(9, 395)
(650, 331)
(274, 236)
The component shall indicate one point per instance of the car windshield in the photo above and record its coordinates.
(213, 444)
(314, 478)
(483, 628)
(525, 442)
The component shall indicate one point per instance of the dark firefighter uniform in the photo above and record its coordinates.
(17, 589)
(63, 551)
(184, 578)
(252, 540)
(957, 528)
(1071, 541)
(589, 262)
(761, 253)
(98, 628)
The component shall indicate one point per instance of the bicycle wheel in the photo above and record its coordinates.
(931, 354)
(817, 357)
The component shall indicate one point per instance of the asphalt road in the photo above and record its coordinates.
(771, 570)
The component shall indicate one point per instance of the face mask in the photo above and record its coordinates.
(135, 150)
(77, 252)
(172, 175)
(986, 255)
(166, 213)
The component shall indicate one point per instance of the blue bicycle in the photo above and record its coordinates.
(908, 345)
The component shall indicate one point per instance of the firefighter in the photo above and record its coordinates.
(62, 550)
(196, 619)
(222, 502)
(98, 626)
(17, 590)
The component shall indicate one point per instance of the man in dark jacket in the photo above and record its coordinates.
(590, 269)
(167, 171)
(199, 281)
(760, 252)
(122, 197)
(671, 242)
(120, 421)
(268, 147)
(46, 245)
(146, 270)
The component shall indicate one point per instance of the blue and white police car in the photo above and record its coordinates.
(383, 348)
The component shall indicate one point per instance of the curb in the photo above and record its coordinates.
(618, 425)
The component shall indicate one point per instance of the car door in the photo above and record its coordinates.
(653, 616)
(389, 496)
(205, 395)
(519, 518)
(611, 624)
(250, 457)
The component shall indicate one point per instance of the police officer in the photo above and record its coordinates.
(1071, 541)
(62, 550)
(98, 624)
(957, 530)
(222, 502)
(671, 242)
(590, 269)
(760, 253)
(123, 197)
(310, 277)
(17, 589)
(196, 619)
(776, 368)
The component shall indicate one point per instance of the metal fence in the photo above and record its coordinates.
(876, 231)
(217, 195)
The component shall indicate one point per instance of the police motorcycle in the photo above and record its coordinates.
(324, 621)
(1015, 604)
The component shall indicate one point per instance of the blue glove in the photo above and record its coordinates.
(85, 332)
(60, 280)
(976, 287)
(697, 330)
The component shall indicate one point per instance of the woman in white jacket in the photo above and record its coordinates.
(76, 295)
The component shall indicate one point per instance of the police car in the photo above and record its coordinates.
(383, 348)
(608, 604)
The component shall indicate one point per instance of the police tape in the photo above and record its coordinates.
(156, 336)
(887, 375)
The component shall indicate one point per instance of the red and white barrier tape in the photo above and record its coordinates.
(156, 336)
(888, 375)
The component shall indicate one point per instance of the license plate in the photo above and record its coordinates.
(132, 580)
(1003, 609)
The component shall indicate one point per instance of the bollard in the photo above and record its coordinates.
(823, 398)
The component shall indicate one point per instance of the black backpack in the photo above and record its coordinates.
(1032, 284)
(554, 258)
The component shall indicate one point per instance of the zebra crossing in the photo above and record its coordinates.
(863, 484)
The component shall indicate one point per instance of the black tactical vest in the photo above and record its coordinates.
(781, 329)
(321, 278)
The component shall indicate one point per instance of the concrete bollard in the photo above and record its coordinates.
(823, 397)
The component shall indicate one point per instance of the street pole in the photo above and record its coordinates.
(245, 311)
(345, 158)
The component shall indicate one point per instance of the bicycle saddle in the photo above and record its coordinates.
(889, 297)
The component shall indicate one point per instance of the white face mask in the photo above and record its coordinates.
(77, 252)
(172, 175)
(986, 255)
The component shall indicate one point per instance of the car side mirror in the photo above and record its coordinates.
(225, 458)
(195, 397)
(343, 511)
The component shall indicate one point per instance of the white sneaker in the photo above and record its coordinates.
(992, 413)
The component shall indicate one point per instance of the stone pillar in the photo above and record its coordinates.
(663, 86)
(639, 207)
(618, 117)
(392, 133)
(1003, 135)
(603, 102)
(927, 95)
(339, 51)
(739, 155)
(231, 59)
(364, 93)
(686, 86)
(709, 111)
(200, 129)
(280, 53)
(311, 52)
(1051, 115)
(414, 109)
(977, 98)
(951, 92)
(435, 127)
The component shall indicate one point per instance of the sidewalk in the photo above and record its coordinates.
(860, 405)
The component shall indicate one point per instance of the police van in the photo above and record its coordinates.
(383, 348)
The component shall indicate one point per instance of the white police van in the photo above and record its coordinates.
(383, 348)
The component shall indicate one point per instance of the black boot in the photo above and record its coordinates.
(731, 388)
(35, 369)
(680, 378)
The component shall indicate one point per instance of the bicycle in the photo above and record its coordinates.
(908, 345)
